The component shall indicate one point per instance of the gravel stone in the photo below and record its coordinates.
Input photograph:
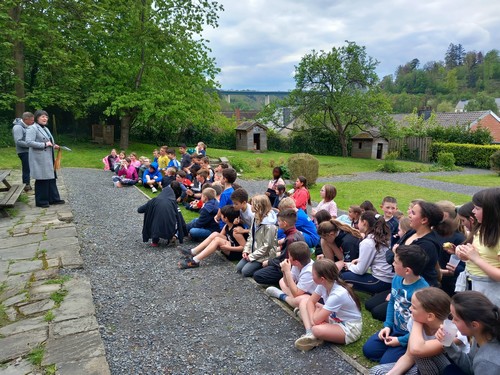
(157, 319)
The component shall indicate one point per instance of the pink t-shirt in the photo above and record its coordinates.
(331, 207)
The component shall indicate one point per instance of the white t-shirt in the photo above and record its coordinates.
(247, 216)
(340, 303)
(303, 278)
(465, 347)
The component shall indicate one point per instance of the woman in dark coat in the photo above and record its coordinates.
(41, 159)
(162, 218)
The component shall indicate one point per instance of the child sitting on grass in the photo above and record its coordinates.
(297, 282)
(230, 243)
(388, 345)
(262, 240)
(201, 227)
(338, 320)
(271, 268)
(152, 178)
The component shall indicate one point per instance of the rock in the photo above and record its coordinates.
(19, 345)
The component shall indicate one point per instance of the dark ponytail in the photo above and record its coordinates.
(378, 228)
(472, 306)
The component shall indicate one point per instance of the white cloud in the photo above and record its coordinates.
(259, 42)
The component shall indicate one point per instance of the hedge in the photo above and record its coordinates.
(466, 154)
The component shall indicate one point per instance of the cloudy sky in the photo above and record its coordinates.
(258, 42)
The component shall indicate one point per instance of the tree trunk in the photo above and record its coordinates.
(124, 131)
(18, 53)
(343, 143)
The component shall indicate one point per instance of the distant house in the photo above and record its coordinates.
(471, 120)
(369, 145)
(460, 107)
(251, 135)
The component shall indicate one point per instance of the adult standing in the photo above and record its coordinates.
(22, 149)
(41, 160)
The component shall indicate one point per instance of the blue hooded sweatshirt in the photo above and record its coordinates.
(152, 175)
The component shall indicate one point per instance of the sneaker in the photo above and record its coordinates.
(188, 263)
(272, 291)
(153, 189)
(307, 342)
(186, 252)
(27, 188)
(155, 244)
(296, 312)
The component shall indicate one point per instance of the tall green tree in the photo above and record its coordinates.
(44, 62)
(337, 91)
(151, 63)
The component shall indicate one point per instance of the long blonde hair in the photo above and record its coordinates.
(337, 226)
(261, 205)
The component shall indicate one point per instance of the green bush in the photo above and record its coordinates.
(389, 164)
(446, 160)
(304, 165)
(240, 165)
(495, 162)
(258, 162)
(466, 154)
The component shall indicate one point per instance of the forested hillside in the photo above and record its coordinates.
(441, 84)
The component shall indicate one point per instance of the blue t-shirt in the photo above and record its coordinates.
(398, 309)
(225, 199)
(174, 163)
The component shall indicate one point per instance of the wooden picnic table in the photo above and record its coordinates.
(11, 193)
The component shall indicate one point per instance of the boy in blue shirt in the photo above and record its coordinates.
(228, 177)
(390, 342)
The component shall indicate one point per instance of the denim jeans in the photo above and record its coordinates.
(247, 268)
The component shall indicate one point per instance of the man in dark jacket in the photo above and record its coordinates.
(22, 149)
(162, 218)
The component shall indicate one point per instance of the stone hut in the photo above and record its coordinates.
(251, 136)
(369, 145)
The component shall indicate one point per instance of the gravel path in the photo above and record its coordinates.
(157, 319)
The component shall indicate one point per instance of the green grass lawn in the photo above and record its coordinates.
(349, 193)
(486, 180)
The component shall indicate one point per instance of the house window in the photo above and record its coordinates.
(360, 145)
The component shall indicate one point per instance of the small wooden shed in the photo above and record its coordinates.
(251, 136)
(369, 145)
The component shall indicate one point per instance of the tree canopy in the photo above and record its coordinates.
(140, 60)
(337, 91)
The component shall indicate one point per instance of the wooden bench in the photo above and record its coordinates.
(10, 195)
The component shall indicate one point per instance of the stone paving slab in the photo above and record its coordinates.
(73, 348)
(20, 241)
(19, 252)
(21, 344)
(22, 367)
(91, 366)
(23, 326)
(70, 327)
(34, 246)
(25, 266)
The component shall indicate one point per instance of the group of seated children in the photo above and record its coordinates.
(411, 267)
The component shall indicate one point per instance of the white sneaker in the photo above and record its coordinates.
(272, 291)
(153, 189)
(307, 342)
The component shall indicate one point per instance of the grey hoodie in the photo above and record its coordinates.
(19, 134)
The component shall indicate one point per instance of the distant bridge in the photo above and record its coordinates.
(267, 94)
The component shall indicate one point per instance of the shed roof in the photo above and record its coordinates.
(247, 125)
